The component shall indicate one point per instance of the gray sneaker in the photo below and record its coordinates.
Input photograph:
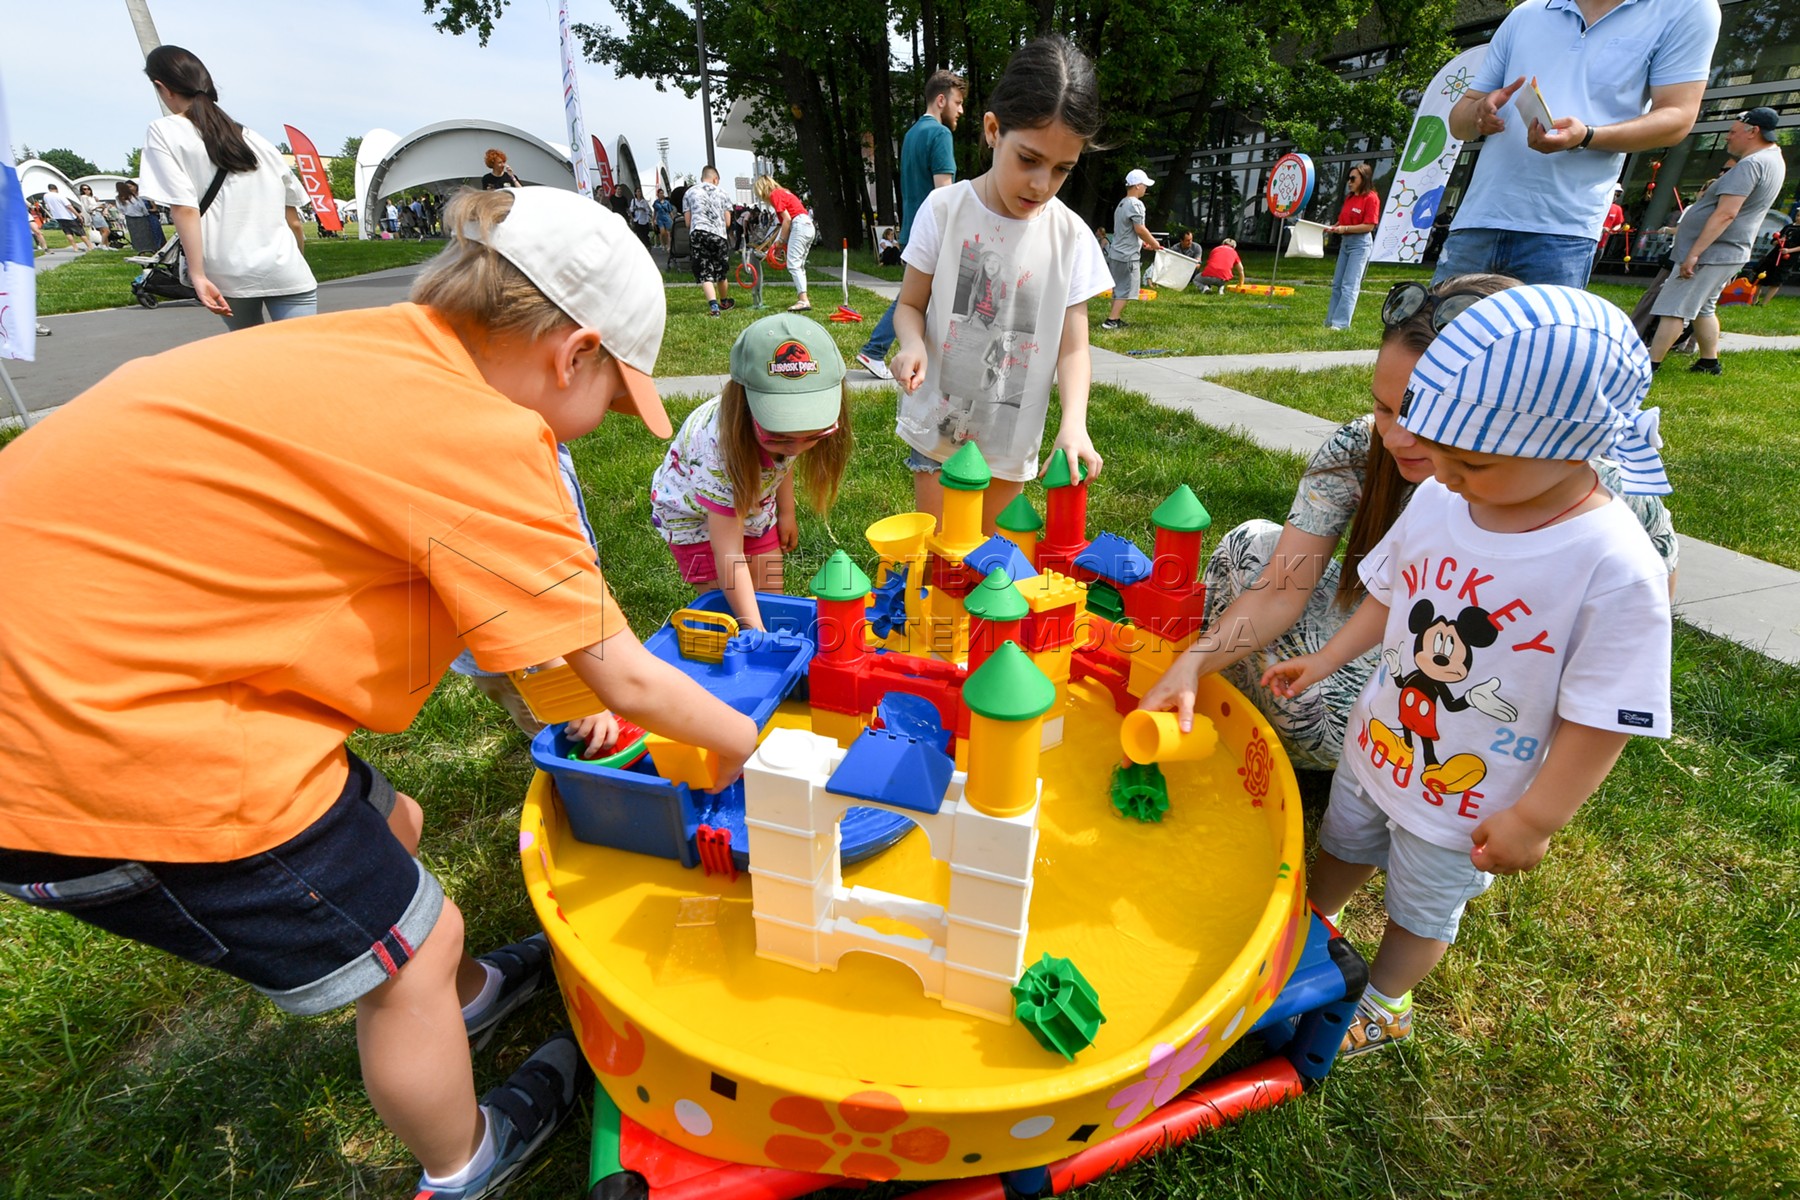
(522, 1113)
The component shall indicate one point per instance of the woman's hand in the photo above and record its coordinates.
(208, 293)
(1175, 690)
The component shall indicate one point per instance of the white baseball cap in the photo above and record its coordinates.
(585, 258)
(1137, 177)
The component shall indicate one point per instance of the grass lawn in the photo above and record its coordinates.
(697, 344)
(1732, 444)
(866, 262)
(1780, 317)
(1622, 1021)
(102, 279)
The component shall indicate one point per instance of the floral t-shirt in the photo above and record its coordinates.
(692, 483)
(1331, 490)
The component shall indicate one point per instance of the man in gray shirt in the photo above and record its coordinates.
(1713, 240)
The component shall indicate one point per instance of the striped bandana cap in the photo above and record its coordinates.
(1541, 371)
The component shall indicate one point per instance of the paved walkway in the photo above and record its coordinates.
(1754, 603)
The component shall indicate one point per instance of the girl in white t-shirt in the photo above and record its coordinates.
(244, 255)
(993, 310)
(1523, 620)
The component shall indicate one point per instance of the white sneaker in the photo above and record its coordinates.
(874, 366)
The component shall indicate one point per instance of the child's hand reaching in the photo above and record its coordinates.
(787, 531)
(1507, 843)
(1077, 447)
(599, 732)
(909, 369)
(1292, 676)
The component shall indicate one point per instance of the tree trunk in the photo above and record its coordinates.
(928, 23)
(847, 158)
(1046, 17)
(876, 68)
(812, 125)
(1192, 129)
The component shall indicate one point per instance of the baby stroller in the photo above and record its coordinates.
(164, 276)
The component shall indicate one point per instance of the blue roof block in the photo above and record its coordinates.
(1114, 559)
(887, 611)
(889, 768)
(998, 552)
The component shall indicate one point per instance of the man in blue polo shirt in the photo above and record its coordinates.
(1617, 76)
(927, 161)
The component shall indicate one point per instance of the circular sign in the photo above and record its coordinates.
(1290, 185)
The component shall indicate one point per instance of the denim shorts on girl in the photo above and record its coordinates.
(695, 559)
(1428, 886)
(322, 919)
(920, 463)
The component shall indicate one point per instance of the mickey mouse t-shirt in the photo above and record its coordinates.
(1493, 640)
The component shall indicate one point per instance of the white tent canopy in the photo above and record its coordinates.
(36, 176)
(452, 151)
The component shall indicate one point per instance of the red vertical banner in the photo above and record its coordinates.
(312, 175)
(606, 175)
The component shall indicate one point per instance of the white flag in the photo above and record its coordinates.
(18, 274)
(578, 142)
(1425, 165)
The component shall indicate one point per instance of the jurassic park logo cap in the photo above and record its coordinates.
(791, 371)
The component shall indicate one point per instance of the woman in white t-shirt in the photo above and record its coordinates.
(244, 254)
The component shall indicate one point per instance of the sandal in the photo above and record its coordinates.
(799, 308)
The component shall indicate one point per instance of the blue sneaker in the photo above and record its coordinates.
(522, 1113)
(522, 968)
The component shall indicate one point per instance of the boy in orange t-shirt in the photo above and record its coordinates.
(299, 527)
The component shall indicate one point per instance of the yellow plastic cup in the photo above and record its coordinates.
(1156, 737)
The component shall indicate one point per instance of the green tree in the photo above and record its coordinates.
(134, 161)
(340, 172)
(69, 163)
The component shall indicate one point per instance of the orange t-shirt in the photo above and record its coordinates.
(221, 560)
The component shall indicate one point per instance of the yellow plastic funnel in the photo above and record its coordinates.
(1156, 737)
(900, 536)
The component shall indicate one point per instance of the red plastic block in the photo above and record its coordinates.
(1048, 630)
(715, 852)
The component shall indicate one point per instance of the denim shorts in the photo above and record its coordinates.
(920, 463)
(1427, 886)
(1528, 257)
(320, 920)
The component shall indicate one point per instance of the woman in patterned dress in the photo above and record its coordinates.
(1278, 591)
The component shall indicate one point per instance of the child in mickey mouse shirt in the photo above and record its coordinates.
(1524, 623)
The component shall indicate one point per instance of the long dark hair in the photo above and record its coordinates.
(182, 72)
(1385, 490)
(1048, 79)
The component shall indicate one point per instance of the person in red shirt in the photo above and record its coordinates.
(1615, 220)
(1217, 271)
(1355, 228)
(797, 233)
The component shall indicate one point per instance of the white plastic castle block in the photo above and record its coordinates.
(972, 951)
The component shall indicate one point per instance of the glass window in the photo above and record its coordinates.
(1756, 44)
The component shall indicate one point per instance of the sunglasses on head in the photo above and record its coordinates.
(1404, 300)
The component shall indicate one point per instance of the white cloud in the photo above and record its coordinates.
(332, 69)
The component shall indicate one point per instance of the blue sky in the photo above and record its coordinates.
(332, 69)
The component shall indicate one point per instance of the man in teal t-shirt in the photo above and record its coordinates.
(927, 161)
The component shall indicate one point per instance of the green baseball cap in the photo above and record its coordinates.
(791, 371)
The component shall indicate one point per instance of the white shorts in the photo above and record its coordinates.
(1427, 886)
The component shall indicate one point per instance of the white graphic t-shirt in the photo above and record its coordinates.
(1493, 640)
(999, 290)
(708, 208)
(693, 482)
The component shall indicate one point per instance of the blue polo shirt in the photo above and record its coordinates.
(1601, 74)
(925, 152)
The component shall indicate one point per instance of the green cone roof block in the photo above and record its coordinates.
(840, 579)
(967, 471)
(1058, 475)
(1019, 517)
(1009, 687)
(1182, 512)
(996, 599)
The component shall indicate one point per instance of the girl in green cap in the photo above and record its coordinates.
(723, 497)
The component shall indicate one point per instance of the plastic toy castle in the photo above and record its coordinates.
(931, 694)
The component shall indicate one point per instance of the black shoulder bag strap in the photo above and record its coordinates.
(212, 191)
